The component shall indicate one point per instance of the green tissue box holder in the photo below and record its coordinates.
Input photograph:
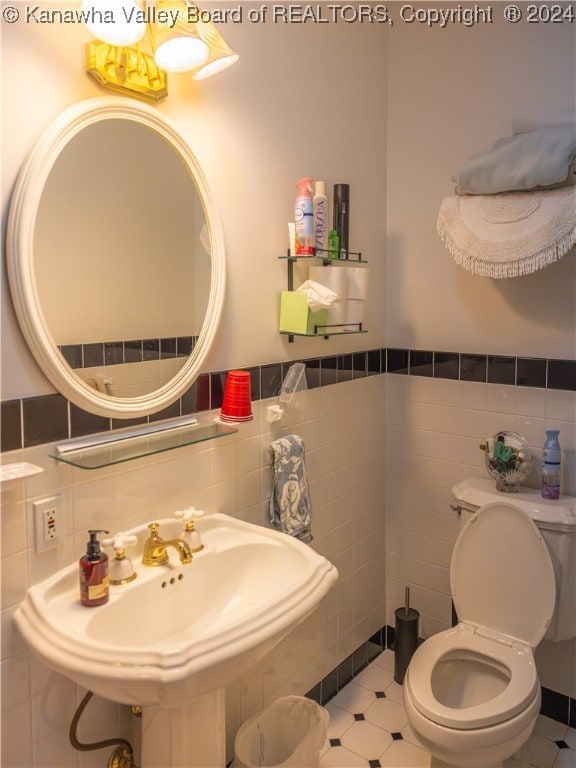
(296, 317)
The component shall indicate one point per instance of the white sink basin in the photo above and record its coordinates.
(179, 631)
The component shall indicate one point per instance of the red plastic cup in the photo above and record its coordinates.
(237, 398)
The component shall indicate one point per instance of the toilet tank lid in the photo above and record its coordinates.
(476, 492)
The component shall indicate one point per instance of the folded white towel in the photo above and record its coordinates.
(526, 161)
(290, 508)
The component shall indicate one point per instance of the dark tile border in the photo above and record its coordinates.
(561, 374)
(339, 677)
(531, 372)
(11, 425)
(556, 706)
(420, 362)
(101, 353)
(43, 419)
(501, 370)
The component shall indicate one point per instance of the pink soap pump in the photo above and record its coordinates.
(304, 217)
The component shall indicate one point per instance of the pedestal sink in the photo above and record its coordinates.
(174, 638)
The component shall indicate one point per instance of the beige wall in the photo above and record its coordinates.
(302, 100)
(453, 92)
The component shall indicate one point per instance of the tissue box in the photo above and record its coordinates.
(296, 317)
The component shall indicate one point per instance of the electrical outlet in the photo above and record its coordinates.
(48, 522)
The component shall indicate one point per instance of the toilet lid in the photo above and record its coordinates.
(501, 574)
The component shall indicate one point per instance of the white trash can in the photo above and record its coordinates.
(290, 732)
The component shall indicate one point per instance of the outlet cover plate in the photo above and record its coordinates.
(48, 516)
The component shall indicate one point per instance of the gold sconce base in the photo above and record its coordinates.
(126, 70)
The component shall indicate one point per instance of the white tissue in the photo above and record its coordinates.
(318, 296)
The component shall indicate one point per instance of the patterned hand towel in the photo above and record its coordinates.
(290, 509)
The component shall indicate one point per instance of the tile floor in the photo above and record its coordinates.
(368, 728)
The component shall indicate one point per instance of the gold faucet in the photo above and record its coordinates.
(155, 548)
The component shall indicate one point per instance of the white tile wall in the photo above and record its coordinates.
(343, 430)
(434, 429)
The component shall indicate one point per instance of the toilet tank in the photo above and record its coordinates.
(556, 521)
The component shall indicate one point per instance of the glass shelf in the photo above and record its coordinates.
(322, 334)
(353, 258)
(125, 446)
(329, 330)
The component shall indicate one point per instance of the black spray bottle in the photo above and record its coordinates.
(341, 216)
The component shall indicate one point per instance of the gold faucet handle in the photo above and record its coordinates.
(154, 528)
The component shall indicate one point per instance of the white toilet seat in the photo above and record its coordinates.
(471, 693)
(501, 574)
(518, 660)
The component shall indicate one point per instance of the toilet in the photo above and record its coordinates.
(472, 693)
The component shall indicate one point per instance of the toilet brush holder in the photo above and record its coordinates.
(405, 638)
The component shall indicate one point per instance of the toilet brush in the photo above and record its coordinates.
(406, 637)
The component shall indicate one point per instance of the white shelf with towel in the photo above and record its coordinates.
(515, 207)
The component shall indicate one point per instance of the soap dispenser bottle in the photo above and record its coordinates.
(551, 459)
(94, 582)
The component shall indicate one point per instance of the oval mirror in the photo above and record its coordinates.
(116, 258)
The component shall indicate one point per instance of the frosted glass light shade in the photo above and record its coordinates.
(181, 54)
(116, 22)
(214, 66)
(221, 55)
(176, 41)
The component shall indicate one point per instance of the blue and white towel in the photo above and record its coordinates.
(290, 509)
(525, 161)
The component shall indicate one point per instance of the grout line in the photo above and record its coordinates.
(325, 760)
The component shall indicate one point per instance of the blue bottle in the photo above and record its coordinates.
(551, 459)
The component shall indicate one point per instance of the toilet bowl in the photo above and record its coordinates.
(472, 693)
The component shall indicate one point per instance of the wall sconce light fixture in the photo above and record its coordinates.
(176, 41)
(220, 55)
(180, 36)
(114, 22)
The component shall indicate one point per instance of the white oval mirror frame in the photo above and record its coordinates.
(20, 260)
